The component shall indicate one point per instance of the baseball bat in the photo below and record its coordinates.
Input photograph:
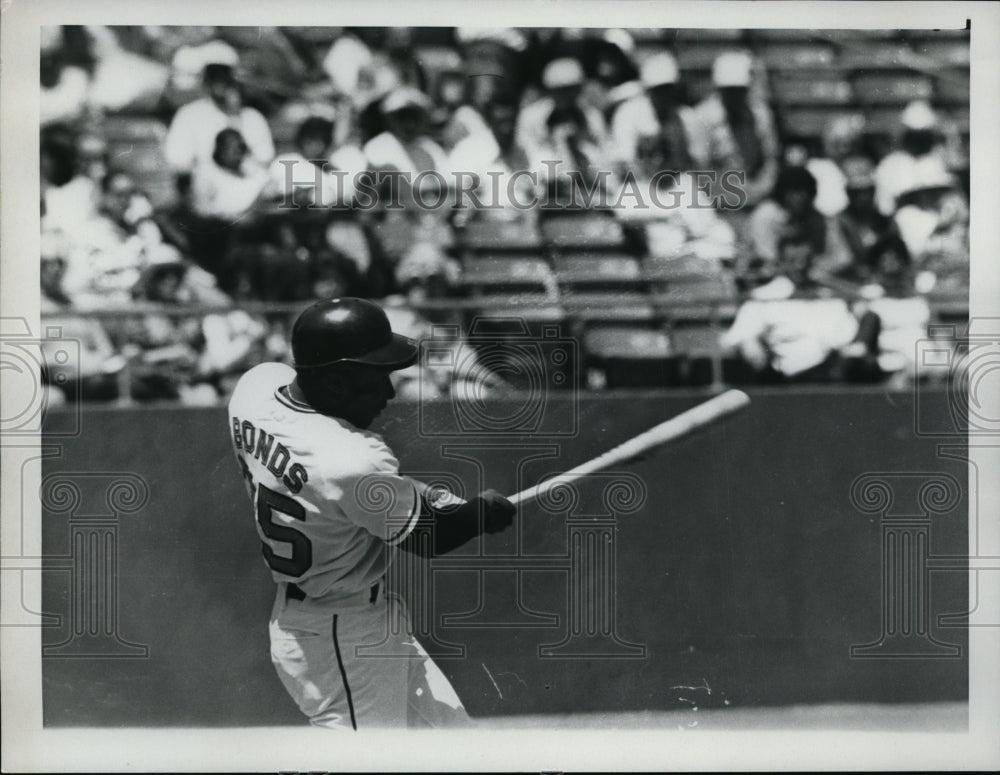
(707, 413)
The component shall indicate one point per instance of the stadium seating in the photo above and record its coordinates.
(629, 357)
(507, 274)
(576, 267)
(880, 89)
(586, 231)
(580, 272)
(821, 90)
(495, 236)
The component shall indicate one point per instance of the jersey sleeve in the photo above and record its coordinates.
(379, 499)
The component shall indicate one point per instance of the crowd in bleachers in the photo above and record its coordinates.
(818, 208)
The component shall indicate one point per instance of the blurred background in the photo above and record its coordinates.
(200, 185)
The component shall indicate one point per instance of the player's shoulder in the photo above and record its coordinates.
(261, 381)
(359, 452)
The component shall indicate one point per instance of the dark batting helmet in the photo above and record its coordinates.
(349, 331)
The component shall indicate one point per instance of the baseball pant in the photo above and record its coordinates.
(353, 664)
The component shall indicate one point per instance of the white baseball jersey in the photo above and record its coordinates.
(330, 503)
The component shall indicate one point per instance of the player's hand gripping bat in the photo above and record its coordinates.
(705, 414)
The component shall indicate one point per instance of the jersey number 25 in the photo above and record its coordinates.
(269, 502)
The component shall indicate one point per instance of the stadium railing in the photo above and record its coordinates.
(713, 312)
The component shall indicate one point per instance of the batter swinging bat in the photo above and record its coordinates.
(707, 413)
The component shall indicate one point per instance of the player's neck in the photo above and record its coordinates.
(296, 392)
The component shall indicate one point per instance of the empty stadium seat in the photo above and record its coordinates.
(794, 56)
(701, 35)
(608, 306)
(495, 236)
(872, 56)
(395, 235)
(819, 90)
(508, 273)
(695, 56)
(593, 231)
(811, 121)
(952, 87)
(686, 286)
(582, 271)
(629, 357)
(695, 344)
(663, 269)
(944, 52)
(880, 89)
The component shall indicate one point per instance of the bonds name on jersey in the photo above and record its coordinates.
(329, 501)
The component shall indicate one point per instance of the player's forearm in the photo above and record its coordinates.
(450, 527)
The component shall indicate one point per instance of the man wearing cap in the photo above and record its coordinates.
(405, 146)
(920, 154)
(561, 127)
(652, 131)
(191, 137)
(333, 512)
(735, 129)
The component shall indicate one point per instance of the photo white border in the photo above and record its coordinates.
(27, 747)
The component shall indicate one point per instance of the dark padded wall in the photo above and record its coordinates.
(746, 575)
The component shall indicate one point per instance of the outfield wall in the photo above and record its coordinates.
(741, 570)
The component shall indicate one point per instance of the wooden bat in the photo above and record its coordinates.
(708, 413)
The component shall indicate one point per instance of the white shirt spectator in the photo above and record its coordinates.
(219, 193)
(191, 137)
(793, 335)
(386, 152)
(899, 172)
(635, 120)
(541, 144)
(292, 170)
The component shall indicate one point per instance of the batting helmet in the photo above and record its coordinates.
(349, 331)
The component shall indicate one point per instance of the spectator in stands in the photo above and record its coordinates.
(791, 331)
(191, 138)
(880, 274)
(72, 172)
(878, 256)
(453, 118)
(689, 227)
(105, 254)
(841, 140)
(560, 133)
(614, 77)
(226, 186)
(933, 220)
(406, 147)
(921, 154)
(316, 173)
(123, 79)
(494, 151)
(788, 220)
(187, 358)
(66, 68)
(98, 364)
(191, 50)
(735, 128)
(495, 59)
(653, 131)
(450, 368)
(426, 272)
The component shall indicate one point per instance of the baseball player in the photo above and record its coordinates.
(311, 467)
